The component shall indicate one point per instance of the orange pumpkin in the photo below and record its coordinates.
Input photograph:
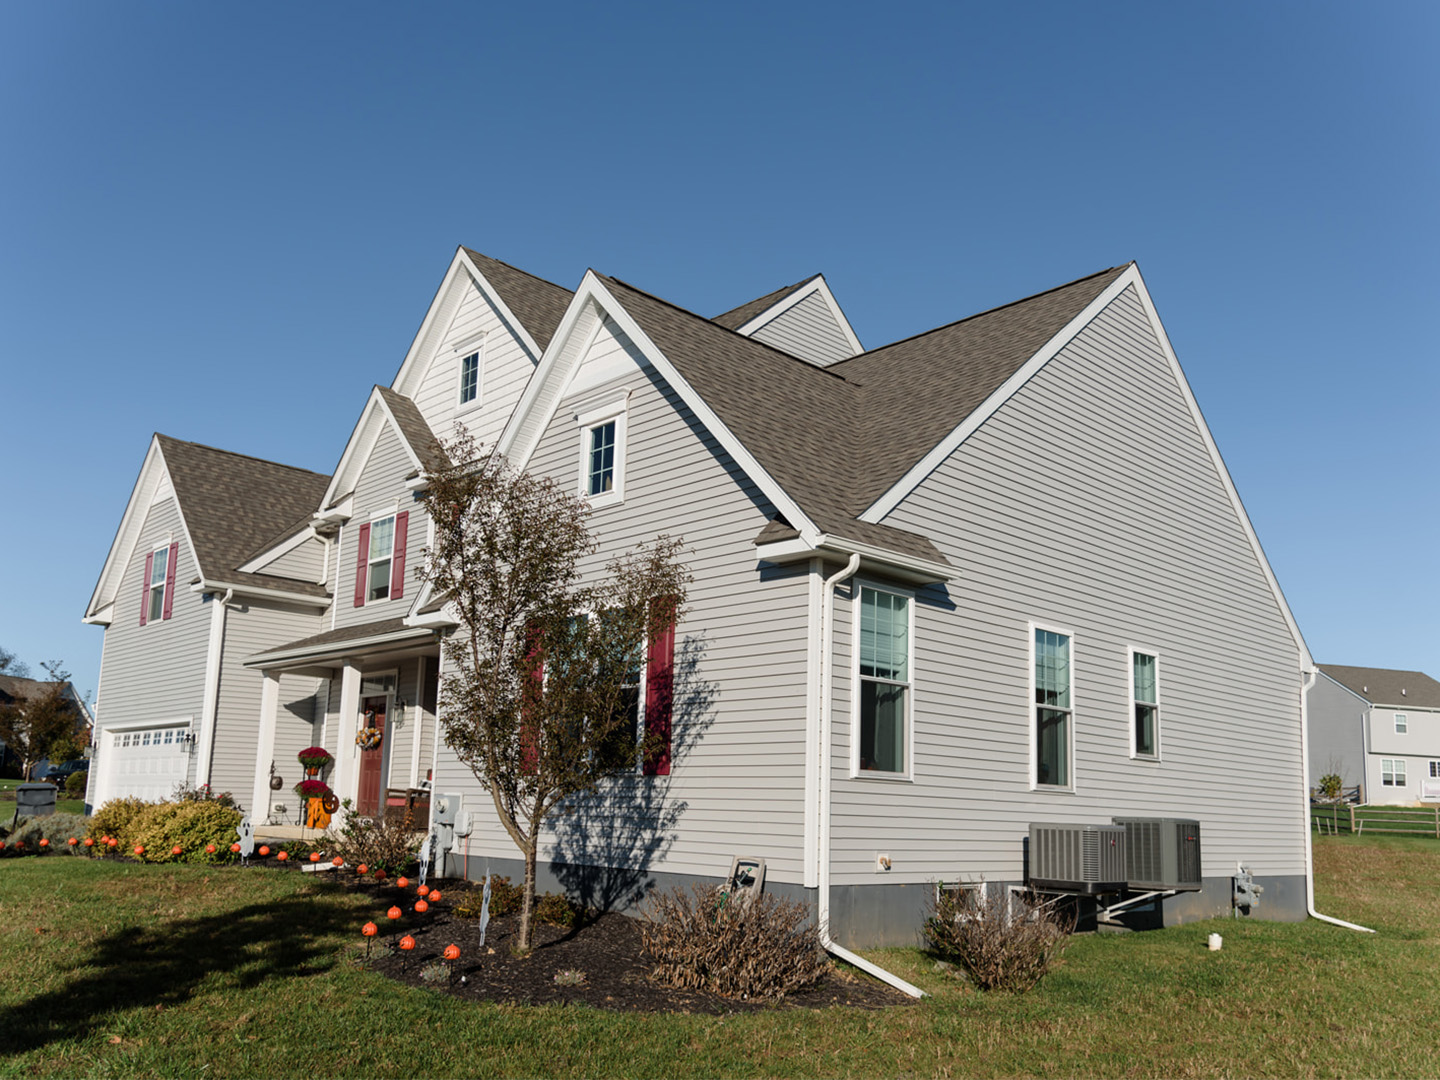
(112, 842)
(282, 856)
(89, 842)
(421, 906)
(209, 849)
(72, 841)
(176, 850)
(235, 848)
(407, 942)
(314, 856)
(423, 890)
(139, 849)
(393, 913)
(452, 952)
(435, 897)
(369, 929)
(362, 869)
(264, 849)
(337, 861)
(402, 882)
(44, 842)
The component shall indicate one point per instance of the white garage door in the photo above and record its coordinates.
(146, 763)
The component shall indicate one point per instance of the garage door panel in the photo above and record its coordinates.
(146, 763)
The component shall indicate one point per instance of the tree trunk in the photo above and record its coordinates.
(527, 905)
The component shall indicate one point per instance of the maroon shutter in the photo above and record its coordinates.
(362, 563)
(397, 559)
(170, 579)
(659, 688)
(145, 589)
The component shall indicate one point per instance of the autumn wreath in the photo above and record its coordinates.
(369, 738)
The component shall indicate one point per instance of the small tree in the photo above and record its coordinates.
(10, 664)
(539, 692)
(32, 726)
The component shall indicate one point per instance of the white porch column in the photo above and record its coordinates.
(417, 722)
(265, 748)
(210, 707)
(347, 754)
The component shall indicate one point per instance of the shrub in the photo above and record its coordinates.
(115, 817)
(760, 947)
(185, 793)
(381, 845)
(555, 909)
(191, 825)
(57, 828)
(505, 899)
(1002, 942)
(1330, 787)
(75, 784)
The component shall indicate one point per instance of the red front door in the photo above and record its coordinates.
(372, 762)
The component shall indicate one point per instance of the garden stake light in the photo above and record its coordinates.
(406, 944)
(452, 953)
(369, 930)
(315, 856)
(281, 856)
(89, 842)
(44, 843)
(362, 869)
(423, 890)
(176, 850)
(421, 907)
(264, 850)
(337, 861)
(72, 842)
(209, 849)
(139, 850)
(435, 896)
(394, 914)
(402, 883)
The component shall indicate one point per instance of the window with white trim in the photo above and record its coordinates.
(1144, 704)
(470, 369)
(600, 466)
(155, 597)
(1392, 772)
(1053, 717)
(884, 690)
(1402, 724)
(602, 454)
(382, 550)
(1435, 770)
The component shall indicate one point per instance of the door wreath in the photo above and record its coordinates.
(369, 738)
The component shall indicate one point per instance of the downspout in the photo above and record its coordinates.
(827, 607)
(1310, 677)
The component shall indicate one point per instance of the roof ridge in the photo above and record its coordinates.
(237, 454)
(784, 292)
(978, 314)
(509, 266)
(726, 330)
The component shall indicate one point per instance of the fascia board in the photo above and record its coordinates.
(491, 294)
(892, 498)
(210, 585)
(818, 285)
(592, 289)
(336, 649)
(361, 445)
(269, 555)
(872, 558)
(1132, 276)
(101, 616)
(126, 534)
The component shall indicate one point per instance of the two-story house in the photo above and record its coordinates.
(1378, 729)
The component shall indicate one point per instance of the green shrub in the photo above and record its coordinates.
(760, 947)
(75, 784)
(115, 818)
(1002, 942)
(192, 825)
(1331, 788)
(505, 899)
(57, 828)
(555, 909)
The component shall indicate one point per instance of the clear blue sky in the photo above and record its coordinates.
(225, 222)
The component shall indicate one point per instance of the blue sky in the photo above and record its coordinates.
(226, 223)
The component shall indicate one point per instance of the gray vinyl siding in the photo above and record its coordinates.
(381, 487)
(1088, 502)
(251, 627)
(304, 563)
(737, 785)
(155, 672)
(808, 330)
(1337, 732)
(505, 369)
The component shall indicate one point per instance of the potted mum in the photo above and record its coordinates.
(314, 758)
(315, 793)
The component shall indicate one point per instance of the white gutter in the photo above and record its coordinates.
(827, 605)
(1305, 793)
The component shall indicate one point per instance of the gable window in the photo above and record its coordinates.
(158, 600)
(1402, 724)
(600, 475)
(1392, 772)
(602, 454)
(470, 377)
(382, 547)
(380, 565)
(1144, 704)
(1053, 685)
(884, 690)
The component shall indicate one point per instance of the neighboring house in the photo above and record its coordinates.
(989, 575)
(1379, 729)
(14, 688)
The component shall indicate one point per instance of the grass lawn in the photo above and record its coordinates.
(111, 969)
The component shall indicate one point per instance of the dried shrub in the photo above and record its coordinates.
(702, 939)
(1002, 941)
(57, 828)
(384, 844)
(114, 818)
(191, 825)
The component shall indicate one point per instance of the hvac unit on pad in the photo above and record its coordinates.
(1161, 854)
(1088, 859)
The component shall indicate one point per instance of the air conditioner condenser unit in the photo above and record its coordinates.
(1086, 859)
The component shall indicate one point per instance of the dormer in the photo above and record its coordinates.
(803, 320)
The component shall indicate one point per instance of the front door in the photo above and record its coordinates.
(372, 762)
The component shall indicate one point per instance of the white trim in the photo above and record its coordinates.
(1342, 686)
(419, 713)
(891, 563)
(139, 725)
(1031, 717)
(907, 774)
(813, 664)
(361, 445)
(269, 555)
(265, 746)
(337, 650)
(817, 285)
(210, 707)
(207, 585)
(347, 776)
(590, 422)
(377, 516)
(1401, 723)
(1143, 650)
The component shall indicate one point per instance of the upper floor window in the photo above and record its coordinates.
(156, 598)
(1145, 703)
(1402, 724)
(470, 377)
(884, 672)
(600, 476)
(380, 561)
(382, 548)
(159, 584)
(602, 454)
(1053, 682)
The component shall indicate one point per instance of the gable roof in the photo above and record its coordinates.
(414, 430)
(738, 317)
(537, 303)
(383, 406)
(1385, 686)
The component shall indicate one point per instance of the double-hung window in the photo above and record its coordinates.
(602, 453)
(600, 466)
(1144, 704)
(1402, 723)
(470, 377)
(155, 600)
(1053, 719)
(1392, 772)
(382, 550)
(884, 676)
(380, 565)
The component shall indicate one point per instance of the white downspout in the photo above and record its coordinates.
(827, 607)
(1310, 677)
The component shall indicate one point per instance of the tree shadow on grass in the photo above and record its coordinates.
(163, 964)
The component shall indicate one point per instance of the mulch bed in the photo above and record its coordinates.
(607, 951)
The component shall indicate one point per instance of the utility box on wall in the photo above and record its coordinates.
(1088, 859)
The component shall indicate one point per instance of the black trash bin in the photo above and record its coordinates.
(35, 800)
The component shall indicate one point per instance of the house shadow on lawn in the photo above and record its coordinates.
(163, 964)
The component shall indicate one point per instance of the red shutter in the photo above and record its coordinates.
(397, 560)
(361, 564)
(145, 589)
(659, 688)
(530, 694)
(170, 579)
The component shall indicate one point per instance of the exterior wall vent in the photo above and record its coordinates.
(1088, 859)
(1162, 853)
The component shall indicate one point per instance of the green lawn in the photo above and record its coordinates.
(7, 802)
(111, 969)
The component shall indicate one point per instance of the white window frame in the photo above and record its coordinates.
(1402, 724)
(162, 552)
(1435, 770)
(472, 347)
(856, 773)
(370, 559)
(1032, 717)
(1397, 776)
(614, 412)
(1130, 653)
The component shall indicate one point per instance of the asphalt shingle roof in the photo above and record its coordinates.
(1384, 686)
(738, 317)
(537, 303)
(415, 430)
